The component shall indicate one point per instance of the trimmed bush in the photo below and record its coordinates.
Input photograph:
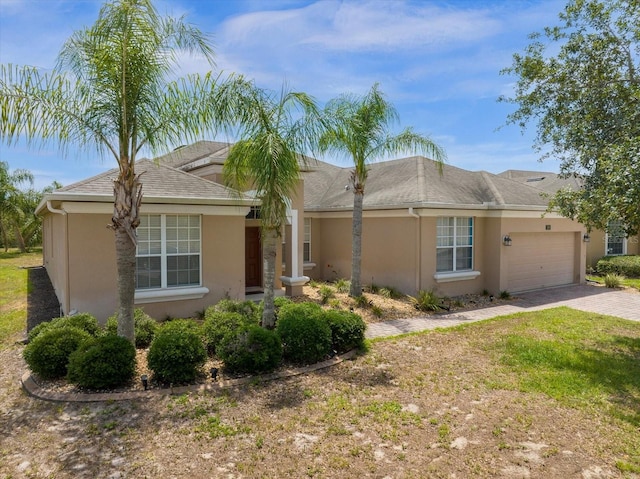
(627, 265)
(218, 324)
(177, 352)
(305, 335)
(48, 354)
(280, 301)
(144, 326)
(84, 321)
(105, 362)
(247, 308)
(251, 349)
(347, 330)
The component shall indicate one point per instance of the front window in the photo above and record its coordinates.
(615, 239)
(306, 255)
(168, 252)
(454, 248)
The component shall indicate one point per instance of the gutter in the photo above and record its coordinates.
(65, 261)
(418, 248)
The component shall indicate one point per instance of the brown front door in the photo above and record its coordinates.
(253, 257)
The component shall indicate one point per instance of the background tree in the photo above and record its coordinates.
(360, 127)
(275, 130)
(578, 82)
(12, 209)
(111, 92)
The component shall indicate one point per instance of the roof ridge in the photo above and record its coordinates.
(492, 187)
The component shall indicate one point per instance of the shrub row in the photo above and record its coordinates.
(93, 358)
(627, 265)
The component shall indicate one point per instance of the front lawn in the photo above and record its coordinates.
(628, 282)
(14, 288)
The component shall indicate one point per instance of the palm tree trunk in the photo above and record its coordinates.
(356, 244)
(19, 239)
(126, 207)
(269, 244)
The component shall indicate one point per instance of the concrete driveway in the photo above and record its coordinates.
(584, 297)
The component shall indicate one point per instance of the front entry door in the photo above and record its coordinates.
(253, 257)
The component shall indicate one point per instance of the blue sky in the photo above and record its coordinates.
(438, 61)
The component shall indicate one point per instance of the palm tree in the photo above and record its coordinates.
(111, 92)
(275, 130)
(360, 128)
(11, 201)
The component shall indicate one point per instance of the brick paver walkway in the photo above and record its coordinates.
(596, 299)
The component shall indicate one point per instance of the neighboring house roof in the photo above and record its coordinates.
(205, 153)
(160, 184)
(416, 182)
(543, 180)
(197, 154)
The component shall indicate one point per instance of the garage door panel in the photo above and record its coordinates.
(540, 260)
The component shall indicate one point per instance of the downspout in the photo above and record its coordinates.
(418, 248)
(65, 261)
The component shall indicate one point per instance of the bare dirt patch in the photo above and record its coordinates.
(419, 406)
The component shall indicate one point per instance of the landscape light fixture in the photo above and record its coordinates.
(214, 374)
(507, 241)
(145, 381)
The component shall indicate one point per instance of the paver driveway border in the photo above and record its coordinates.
(623, 303)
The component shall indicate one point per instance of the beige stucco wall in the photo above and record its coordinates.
(390, 256)
(54, 255)
(92, 266)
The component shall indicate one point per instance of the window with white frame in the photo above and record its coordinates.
(454, 249)
(615, 239)
(306, 252)
(168, 252)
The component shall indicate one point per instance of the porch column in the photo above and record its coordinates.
(294, 283)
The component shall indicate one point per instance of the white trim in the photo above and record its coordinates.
(435, 211)
(308, 266)
(457, 276)
(147, 208)
(295, 281)
(169, 294)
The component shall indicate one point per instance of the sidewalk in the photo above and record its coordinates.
(584, 297)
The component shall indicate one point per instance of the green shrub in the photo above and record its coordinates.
(144, 326)
(280, 301)
(218, 324)
(177, 352)
(627, 265)
(48, 354)
(343, 285)
(251, 349)
(505, 294)
(613, 280)
(306, 337)
(247, 308)
(84, 321)
(347, 330)
(426, 301)
(326, 292)
(105, 362)
(377, 311)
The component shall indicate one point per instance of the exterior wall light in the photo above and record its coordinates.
(506, 240)
(586, 238)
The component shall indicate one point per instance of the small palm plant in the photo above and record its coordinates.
(426, 301)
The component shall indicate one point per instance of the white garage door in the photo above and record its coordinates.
(540, 260)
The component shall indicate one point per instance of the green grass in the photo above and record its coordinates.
(584, 360)
(14, 288)
(629, 282)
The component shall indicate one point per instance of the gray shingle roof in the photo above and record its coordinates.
(200, 152)
(542, 180)
(415, 181)
(158, 181)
